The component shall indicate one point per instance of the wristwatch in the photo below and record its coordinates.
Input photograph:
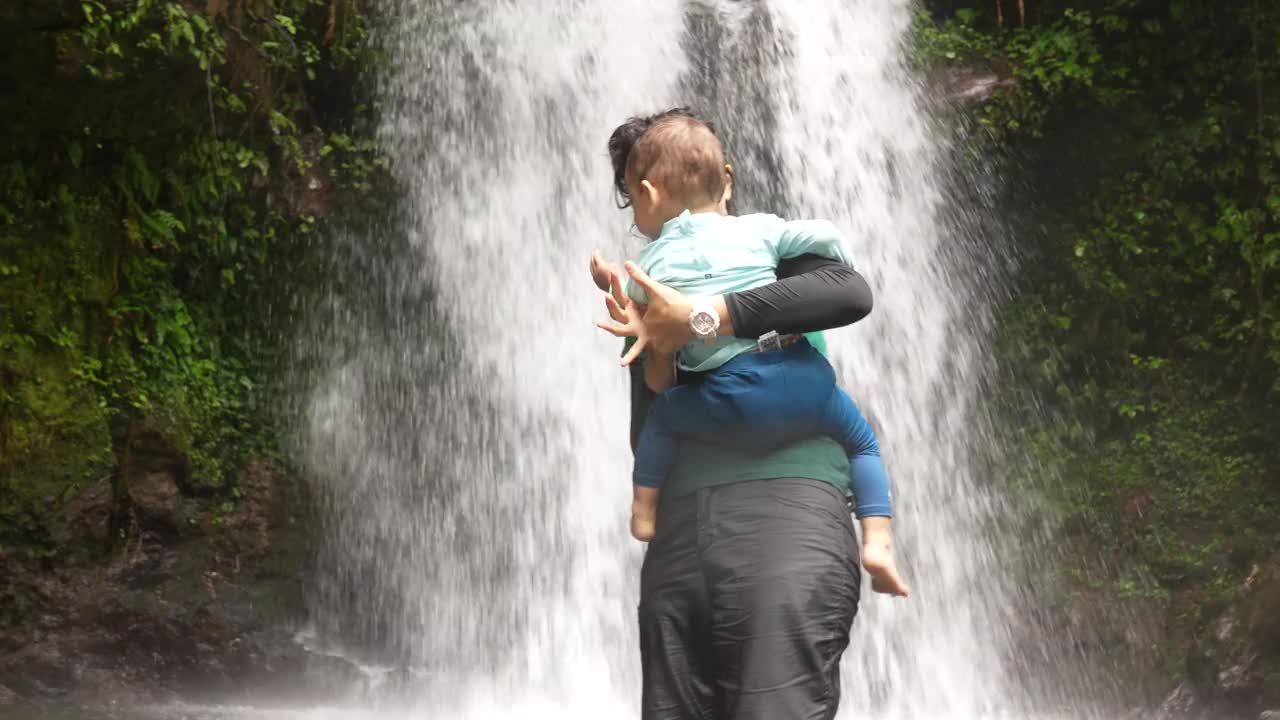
(704, 321)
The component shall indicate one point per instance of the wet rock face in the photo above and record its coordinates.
(1182, 704)
(1233, 670)
(153, 485)
(154, 496)
(965, 84)
(190, 601)
(1245, 648)
(117, 654)
(249, 525)
(87, 518)
(98, 641)
(38, 671)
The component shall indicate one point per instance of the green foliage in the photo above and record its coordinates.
(1147, 327)
(162, 168)
(1050, 64)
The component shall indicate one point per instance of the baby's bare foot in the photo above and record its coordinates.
(642, 528)
(644, 511)
(878, 561)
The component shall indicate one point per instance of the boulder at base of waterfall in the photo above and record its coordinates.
(248, 527)
(155, 498)
(198, 616)
(156, 475)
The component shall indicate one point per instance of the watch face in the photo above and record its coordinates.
(703, 323)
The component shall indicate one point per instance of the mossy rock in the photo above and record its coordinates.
(59, 446)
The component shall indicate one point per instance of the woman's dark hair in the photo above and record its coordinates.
(624, 138)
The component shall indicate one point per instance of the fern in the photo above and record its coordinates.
(163, 223)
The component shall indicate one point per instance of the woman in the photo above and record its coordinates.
(750, 585)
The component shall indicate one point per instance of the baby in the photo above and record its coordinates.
(759, 394)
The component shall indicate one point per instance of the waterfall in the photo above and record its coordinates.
(858, 150)
(467, 431)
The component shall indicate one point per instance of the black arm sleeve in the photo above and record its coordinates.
(812, 293)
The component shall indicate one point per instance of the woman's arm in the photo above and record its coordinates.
(815, 294)
(812, 293)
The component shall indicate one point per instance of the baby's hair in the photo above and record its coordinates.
(683, 154)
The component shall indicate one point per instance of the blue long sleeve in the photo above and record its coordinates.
(869, 483)
(868, 479)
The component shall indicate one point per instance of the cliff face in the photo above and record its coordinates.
(168, 174)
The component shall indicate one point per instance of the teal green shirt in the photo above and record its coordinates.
(711, 254)
(702, 465)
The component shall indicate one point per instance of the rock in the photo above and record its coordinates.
(102, 686)
(88, 516)
(1228, 665)
(156, 499)
(1181, 704)
(249, 526)
(1269, 715)
(960, 84)
(1240, 678)
(1126, 642)
(37, 671)
(144, 568)
(197, 617)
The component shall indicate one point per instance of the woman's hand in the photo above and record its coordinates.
(628, 318)
(662, 325)
(666, 318)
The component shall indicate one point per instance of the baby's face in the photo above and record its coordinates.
(645, 208)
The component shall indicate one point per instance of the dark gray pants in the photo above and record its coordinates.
(747, 595)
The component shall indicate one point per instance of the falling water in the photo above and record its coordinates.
(468, 429)
(858, 150)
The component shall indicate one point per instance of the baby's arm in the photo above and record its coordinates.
(811, 237)
(870, 486)
(869, 482)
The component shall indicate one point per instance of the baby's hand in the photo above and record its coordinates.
(877, 558)
(601, 270)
